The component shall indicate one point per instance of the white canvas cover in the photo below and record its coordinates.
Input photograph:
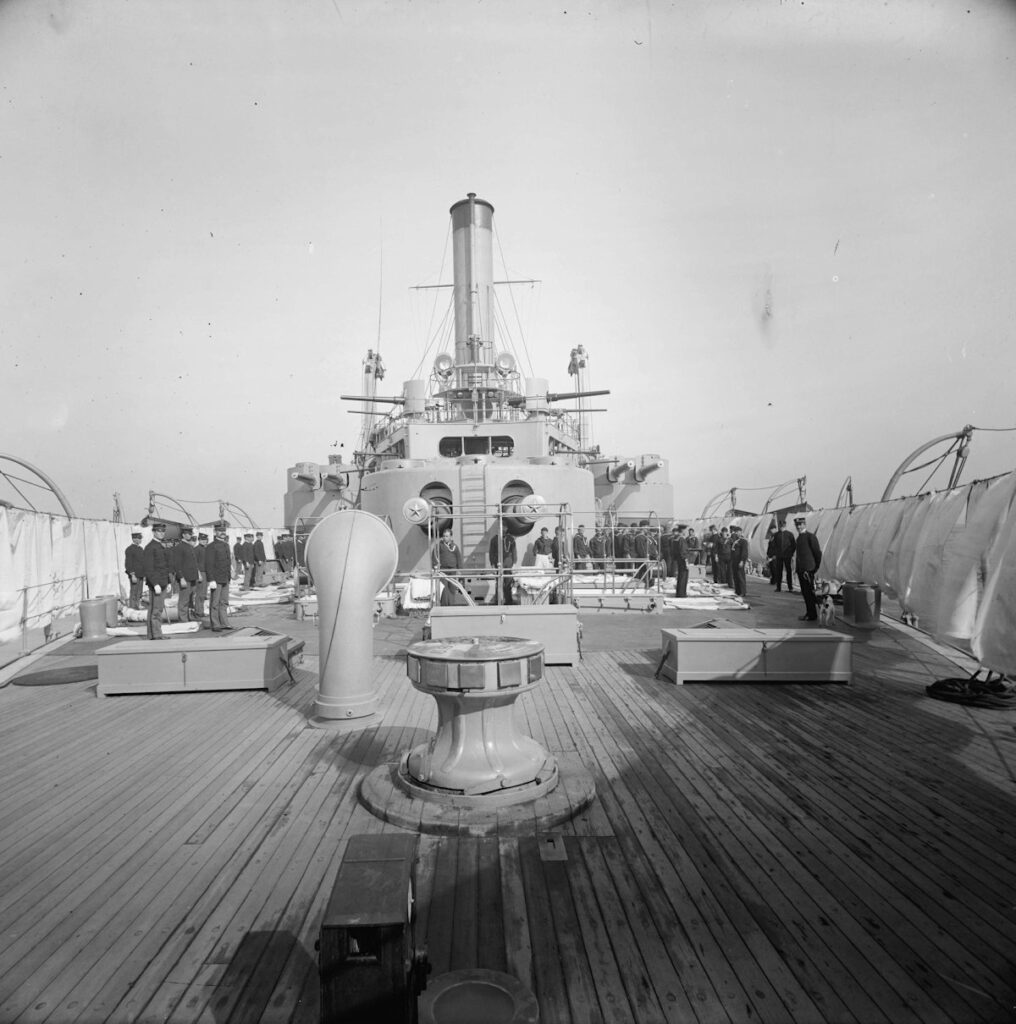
(49, 564)
(994, 636)
(886, 524)
(948, 557)
(965, 560)
(945, 516)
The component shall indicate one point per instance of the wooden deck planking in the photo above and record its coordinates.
(621, 975)
(745, 859)
(898, 820)
(690, 942)
(794, 781)
(60, 899)
(28, 798)
(118, 903)
(234, 836)
(784, 906)
(966, 959)
(102, 811)
(549, 981)
(722, 930)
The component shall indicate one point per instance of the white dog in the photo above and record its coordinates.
(824, 602)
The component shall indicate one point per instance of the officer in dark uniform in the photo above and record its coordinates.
(738, 561)
(185, 568)
(723, 558)
(260, 558)
(157, 578)
(238, 558)
(713, 549)
(665, 555)
(201, 590)
(134, 565)
(809, 559)
(679, 552)
(784, 547)
(217, 568)
(247, 556)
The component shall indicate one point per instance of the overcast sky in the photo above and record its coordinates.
(784, 232)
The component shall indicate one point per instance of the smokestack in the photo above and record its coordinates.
(472, 253)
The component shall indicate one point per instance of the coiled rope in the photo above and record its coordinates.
(994, 691)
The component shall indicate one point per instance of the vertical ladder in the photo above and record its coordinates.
(473, 507)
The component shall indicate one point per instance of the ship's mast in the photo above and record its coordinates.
(373, 371)
(577, 369)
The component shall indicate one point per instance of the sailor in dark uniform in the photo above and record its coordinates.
(598, 550)
(503, 553)
(580, 549)
(543, 545)
(157, 578)
(134, 565)
(284, 551)
(447, 559)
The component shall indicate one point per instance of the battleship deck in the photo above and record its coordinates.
(756, 852)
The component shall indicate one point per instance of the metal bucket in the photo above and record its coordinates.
(93, 618)
(112, 608)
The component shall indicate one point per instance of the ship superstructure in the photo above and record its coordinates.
(480, 444)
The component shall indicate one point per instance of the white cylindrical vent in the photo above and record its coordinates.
(351, 555)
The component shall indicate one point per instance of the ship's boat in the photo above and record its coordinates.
(478, 446)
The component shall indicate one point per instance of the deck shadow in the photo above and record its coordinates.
(269, 971)
(387, 744)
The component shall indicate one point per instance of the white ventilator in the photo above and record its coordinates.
(351, 555)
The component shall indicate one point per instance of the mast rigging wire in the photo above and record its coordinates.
(518, 319)
(433, 308)
(380, 283)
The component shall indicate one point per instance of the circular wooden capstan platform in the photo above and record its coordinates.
(384, 794)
